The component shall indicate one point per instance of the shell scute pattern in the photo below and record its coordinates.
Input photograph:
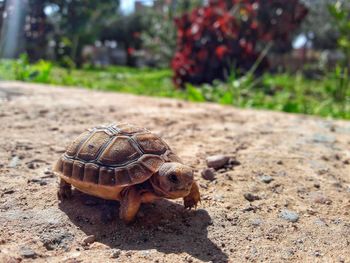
(111, 155)
(91, 147)
(91, 173)
(126, 128)
(75, 145)
(78, 170)
(150, 143)
(121, 150)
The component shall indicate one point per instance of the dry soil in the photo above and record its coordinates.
(295, 170)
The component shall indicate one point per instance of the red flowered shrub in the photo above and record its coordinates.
(227, 34)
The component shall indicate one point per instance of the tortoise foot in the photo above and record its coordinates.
(65, 191)
(193, 198)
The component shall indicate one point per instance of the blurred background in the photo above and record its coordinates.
(291, 56)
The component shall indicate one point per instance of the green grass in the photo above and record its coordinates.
(329, 96)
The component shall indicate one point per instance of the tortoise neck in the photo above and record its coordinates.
(155, 184)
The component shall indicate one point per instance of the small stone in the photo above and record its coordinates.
(234, 162)
(115, 253)
(208, 174)
(266, 179)
(32, 165)
(217, 161)
(14, 162)
(43, 111)
(48, 171)
(317, 253)
(146, 253)
(218, 197)
(290, 216)
(27, 252)
(89, 240)
(321, 199)
(250, 208)
(280, 162)
(317, 185)
(8, 192)
(189, 259)
(320, 222)
(251, 197)
(256, 222)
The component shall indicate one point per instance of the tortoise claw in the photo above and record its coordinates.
(190, 203)
(193, 198)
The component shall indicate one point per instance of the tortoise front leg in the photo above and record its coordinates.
(193, 197)
(65, 190)
(129, 204)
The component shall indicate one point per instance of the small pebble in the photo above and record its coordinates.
(317, 253)
(321, 199)
(27, 252)
(208, 174)
(217, 161)
(266, 179)
(115, 253)
(250, 208)
(320, 222)
(251, 197)
(256, 222)
(89, 240)
(14, 162)
(32, 165)
(218, 197)
(290, 216)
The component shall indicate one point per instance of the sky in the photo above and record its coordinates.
(128, 5)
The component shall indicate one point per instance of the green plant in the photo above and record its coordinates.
(212, 38)
(37, 72)
(21, 67)
(40, 71)
(340, 11)
(327, 96)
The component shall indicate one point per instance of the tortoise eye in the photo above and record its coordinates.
(173, 178)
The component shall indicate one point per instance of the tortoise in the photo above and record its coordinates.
(127, 163)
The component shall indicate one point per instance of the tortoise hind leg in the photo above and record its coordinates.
(129, 204)
(64, 191)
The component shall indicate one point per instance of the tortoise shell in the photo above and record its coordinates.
(115, 155)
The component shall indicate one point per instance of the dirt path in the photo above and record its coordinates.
(298, 167)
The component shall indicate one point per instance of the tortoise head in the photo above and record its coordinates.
(174, 180)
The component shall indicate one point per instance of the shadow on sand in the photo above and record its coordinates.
(164, 226)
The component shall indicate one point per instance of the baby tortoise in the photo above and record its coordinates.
(125, 163)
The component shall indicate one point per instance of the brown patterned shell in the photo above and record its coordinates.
(115, 155)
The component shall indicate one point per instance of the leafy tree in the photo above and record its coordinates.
(36, 30)
(318, 27)
(341, 14)
(68, 24)
(159, 37)
(126, 30)
(79, 24)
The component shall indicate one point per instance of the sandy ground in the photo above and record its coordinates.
(298, 167)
